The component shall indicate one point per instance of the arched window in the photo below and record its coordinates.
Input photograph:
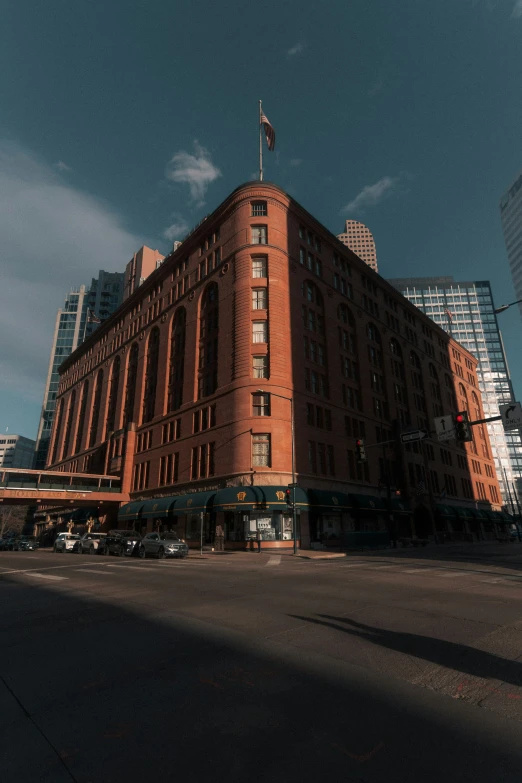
(450, 392)
(345, 315)
(177, 360)
(463, 398)
(208, 342)
(395, 348)
(151, 375)
(316, 373)
(130, 389)
(96, 409)
(68, 429)
(476, 405)
(57, 428)
(414, 359)
(81, 417)
(373, 333)
(113, 397)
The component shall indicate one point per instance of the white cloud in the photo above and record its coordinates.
(53, 237)
(298, 48)
(177, 229)
(295, 162)
(63, 168)
(372, 194)
(197, 171)
(517, 10)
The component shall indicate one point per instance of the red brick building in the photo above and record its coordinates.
(185, 390)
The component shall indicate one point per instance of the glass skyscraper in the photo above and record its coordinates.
(83, 310)
(511, 216)
(466, 311)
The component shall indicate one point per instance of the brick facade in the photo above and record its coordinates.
(262, 296)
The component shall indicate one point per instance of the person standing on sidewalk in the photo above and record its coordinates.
(219, 540)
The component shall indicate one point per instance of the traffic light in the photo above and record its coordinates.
(360, 451)
(288, 498)
(463, 427)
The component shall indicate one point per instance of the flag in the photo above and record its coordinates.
(92, 318)
(420, 488)
(269, 132)
(448, 313)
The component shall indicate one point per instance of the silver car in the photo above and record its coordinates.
(66, 542)
(162, 545)
(90, 542)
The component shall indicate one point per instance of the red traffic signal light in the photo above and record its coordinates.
(360, 451)
(463, 427)
(288, 497)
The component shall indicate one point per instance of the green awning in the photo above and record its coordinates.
(482, 515)
(368, 503)
(327, 501)
(158, 508)
(466, 513)
(196, 502)
(446, 511)
(399, 506)
(131, 510)
(257, 498)
(501, 516)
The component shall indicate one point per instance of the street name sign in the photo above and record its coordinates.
(511, 415)
(409, 437)
(445, 427)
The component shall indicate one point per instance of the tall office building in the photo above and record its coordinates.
(359, 238)
(466, 311)
(16, 451)
(141, 265)
(511, 215)
(82, 313)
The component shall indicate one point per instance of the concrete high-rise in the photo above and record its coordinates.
(359, 238)
(82, 313)
(466, 311)
(141, 265)
(511, 216)
(16, 451)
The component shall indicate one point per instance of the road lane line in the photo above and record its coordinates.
(91, 571)
(143, 568)
(273, 561)
(47, 576)
(49, 568)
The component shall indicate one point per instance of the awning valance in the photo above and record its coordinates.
(158, 508)
(368, 503)
(328, 501)
(195, 502)
(446, 511)
(131, 510)
(257, 498)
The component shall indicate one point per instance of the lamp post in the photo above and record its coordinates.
(505, 307)
(294, 513)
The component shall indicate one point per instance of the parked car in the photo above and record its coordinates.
(120, 542)
(162, 545)
(90, 542)
(11, 543)
(27, 544)
(66, 542)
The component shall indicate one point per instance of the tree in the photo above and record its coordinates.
(12, 519)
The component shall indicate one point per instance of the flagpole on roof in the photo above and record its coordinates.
(260, 143)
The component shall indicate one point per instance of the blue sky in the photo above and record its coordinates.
(123, 123)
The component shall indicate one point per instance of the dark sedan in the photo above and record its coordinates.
(27, 544)
(120, 542)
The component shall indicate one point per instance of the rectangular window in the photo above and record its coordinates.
(261, 450)
(310, 413)
(259, 299)
(259, 331)
(261, 405)
(321, 458)
(260, 366)
(330, 460)
(259, 208)
(194, 463)
(195, 422)
(312, 459)
(259, 235)
(302, 256)
(259, 267)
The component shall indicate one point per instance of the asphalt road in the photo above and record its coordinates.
(398, 666)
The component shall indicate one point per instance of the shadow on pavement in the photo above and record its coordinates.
(110, 690)
(460, 657)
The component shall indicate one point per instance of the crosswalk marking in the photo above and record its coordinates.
(145, 568)
(273, 561)
(46, 576)
(93, 571)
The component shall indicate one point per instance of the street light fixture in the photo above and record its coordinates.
(294, 513)
(505, 307)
